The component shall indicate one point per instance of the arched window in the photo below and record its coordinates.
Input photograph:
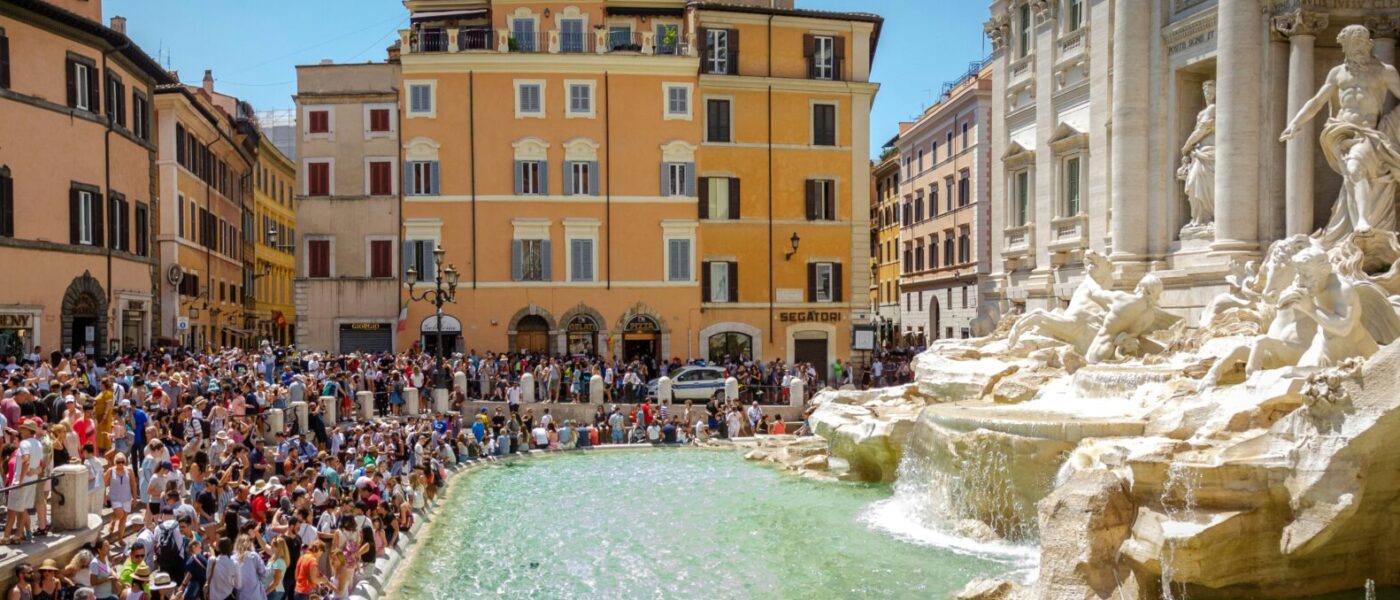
(731, 345)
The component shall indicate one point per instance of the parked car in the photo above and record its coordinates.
(693, 383)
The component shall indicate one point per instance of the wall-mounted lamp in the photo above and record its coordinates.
(795, 241)
(546, 13)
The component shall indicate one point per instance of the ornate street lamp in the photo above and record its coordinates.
(444, 291)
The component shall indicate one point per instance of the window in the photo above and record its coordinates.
(319, 121)
(821, 200)
(676, 179)
(1071, 204)
(717, 121)
(7, 202)
(919, 207)
(140, 117)
(824, 126)
(908, 258)
(667, 38)
(824, 282)
(82, 85)
(1020, 207)
(530, 260)
(948, 249)
(418, 255)
(318, 179)
(4, 60)
(116, 99)
(964, 181)
(678, 260)
(117, 225)
(932, 201)
(580, 99)
(420, 99)
(580, 178)
(528, 100)
(933, 251)
(1023, 38)
(964, 135)
(821, 55)
(620, 37)
(318, 258)
(919, 255)
(719, 198)
(581, 259)
(949, 144)
(720, 281)
(423, 178)
(677, 101)
(531, 177)
(379, 120)
(85, 218)
(381, 258)
(720, 55)
(381, 178)
(571, 36)
(724, 345)
(964, 253)
(522, 35)
(143, 246)
(1075, 19)
(948, 185)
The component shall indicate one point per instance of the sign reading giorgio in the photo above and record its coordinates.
(809, 316)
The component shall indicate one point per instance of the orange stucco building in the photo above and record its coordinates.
(622, 178)
(77, 154)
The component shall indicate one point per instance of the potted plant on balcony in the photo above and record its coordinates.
(513, 44)
(668, 40)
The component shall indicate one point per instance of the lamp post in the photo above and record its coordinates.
(444, 291)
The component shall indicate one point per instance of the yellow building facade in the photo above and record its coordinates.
(620, 178)
(274, 222)
(884, 248)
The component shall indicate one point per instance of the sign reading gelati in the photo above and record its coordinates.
(810, 316)
(16, 321)
(365, 326)
(582, 324)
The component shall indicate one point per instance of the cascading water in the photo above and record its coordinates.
(1179, 504)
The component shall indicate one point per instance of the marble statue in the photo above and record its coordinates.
(1075, 324)
(1333, 303)
(1131, 317)
(1197, 170)
(1357, 141)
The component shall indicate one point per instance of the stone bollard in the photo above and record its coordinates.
(330, 410)
(595, 389)
(299, 411)
(98, 491)
(527, 388)
(410, 401)
(366, 402)
(298, 393)
(276, 423)
(72, 486)
(442, 403)
(663, 389)
(484, 386)
(731, 389)
(795, 391)
(459, 381)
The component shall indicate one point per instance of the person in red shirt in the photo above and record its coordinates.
(258, 502)
(86, 428)
(646, 413)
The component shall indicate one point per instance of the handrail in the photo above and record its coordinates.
(61, 499)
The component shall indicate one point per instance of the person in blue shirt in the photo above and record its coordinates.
(479, 430)
(138, 423)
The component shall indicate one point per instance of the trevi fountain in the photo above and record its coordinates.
(1250, 451)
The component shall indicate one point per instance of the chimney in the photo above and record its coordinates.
(119, 24)
(393, 53)
(209, 80)
(326, 61)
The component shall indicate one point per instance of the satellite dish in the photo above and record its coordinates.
(175, 275)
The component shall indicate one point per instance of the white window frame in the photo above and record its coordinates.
(330, 176)
(330, 122)
(689, 275)
(1017, 190)
(569, 112)
(688, 114)
(525, 188)
(306, 255)
(676, 178)
(824, 57)
(1023, 31)
(393, 123)
(393, 173)
(431, 113)
(580, 229)
(677, 230)
(414, 189)
(81, 86)
(830, 284)
(836, 210)
(1073, 24)
(524, 273)
(705, 120)
(85, 224)
(579, 178)
(721, 184)
(584, 32)
(718, 292)
(812, 124)
(1065, 181)
(713, 57)
(520, 113)
(394, 259)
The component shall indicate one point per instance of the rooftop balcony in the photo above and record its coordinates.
(438, 40)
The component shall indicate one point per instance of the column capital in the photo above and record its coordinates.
(1299, 22)
(1384, 26)
(997, 29)
(1044, 10)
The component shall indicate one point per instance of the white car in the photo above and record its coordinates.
(693, 383)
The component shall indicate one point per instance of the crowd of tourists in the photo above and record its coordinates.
(208, 502)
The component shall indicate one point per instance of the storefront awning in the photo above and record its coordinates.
(446, 15)
(645, 11)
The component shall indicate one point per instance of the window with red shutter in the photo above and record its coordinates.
(381, 258)
(318, 258)
(318, 179)
(320, 121)
(379, 119)
(381, 178)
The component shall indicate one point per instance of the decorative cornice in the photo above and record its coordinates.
(1044, 10)
(1384, 26)
(998, 29)
(1300, 22)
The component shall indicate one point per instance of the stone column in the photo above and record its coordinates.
(731, 389)
(1238, 123)
(459, 381)
(796, 391)
(72, 485)
(366, 402)
(1132, 39)
(410, 401)
(441, 401)
(330, 410)
(300, 412)
(1300, 27)
(276, 423)
(595, 389)
(663, 389)
(527, 388)
(1384, 30)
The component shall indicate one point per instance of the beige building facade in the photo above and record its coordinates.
(348, 186)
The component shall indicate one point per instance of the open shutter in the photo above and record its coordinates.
(811, 195)
(98, 223)
(704, 197)
(733, 281)
(734, 198)
(733, 52)
(544, 177)
(71, 77)
(829, 198)
(429, 267)
(94, 91)
(7, 206)
(593, 187)
(546, 261)
(73, 218)
(4, 61)
(703, 49)
(838, 46)
(407, 256)
(515, 265)
(437, 178)
(568, 179)
(690, 179)
(836, 284)
(519, 177)
(809, 45)
(705, 281)
(811, 282)
(664, 188)
(407, 178)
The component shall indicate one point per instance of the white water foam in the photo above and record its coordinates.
(898, 519)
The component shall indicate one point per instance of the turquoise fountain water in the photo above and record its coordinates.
(673, 524)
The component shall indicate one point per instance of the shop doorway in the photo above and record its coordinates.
(811, 347)
(641, 339)
(582, 336)
(532, 335)
(451, 334)
(84, 316)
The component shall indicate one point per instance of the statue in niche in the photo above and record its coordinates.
(1357, 142)
(1131, 317)
(1075, 324)
(1197, 170)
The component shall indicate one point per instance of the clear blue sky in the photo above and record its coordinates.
(253, 45)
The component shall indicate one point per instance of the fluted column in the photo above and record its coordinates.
(1300, 27)
(1238, 120)
(1384, 30)
(1132, 35)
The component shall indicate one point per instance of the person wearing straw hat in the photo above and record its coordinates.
(51, 581)
(140, 583)
(30, 456)
(161, 586)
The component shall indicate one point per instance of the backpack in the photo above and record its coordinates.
(168, 555)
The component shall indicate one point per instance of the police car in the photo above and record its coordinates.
(693, 383)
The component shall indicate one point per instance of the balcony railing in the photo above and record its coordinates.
(528, 42)
(476, 38)
(429, 40)
(555, 41)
